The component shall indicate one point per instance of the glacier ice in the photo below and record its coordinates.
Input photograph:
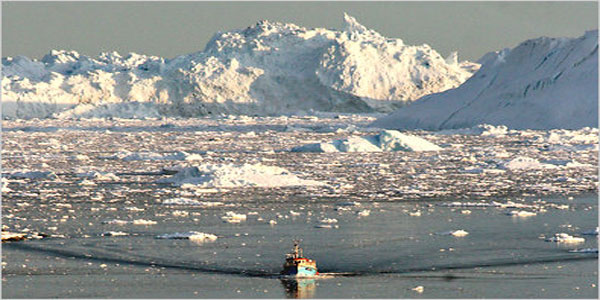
(268, 68)
(542, 83)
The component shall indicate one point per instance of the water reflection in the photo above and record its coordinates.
(299, 288)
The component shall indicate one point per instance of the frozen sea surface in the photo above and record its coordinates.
(410, 197)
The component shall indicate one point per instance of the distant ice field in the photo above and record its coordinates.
(208, 207)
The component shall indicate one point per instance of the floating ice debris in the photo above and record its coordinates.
(134, 222)
(526, 163)
(521, 213)
(131, 156)
(363, 213)
(116, 222)
(5, 188)
(387, 140)
(86, 182)
(143, 222)
(326, 226)
(100, 176)
(458, 233)
(180, 213)
(186, 201)
(13, 236)
(329, 221)
(565, 238)
(246, 175)
(34, 175)
(190, 235)
(415, 213)
(133, 208)
(232, 217)
(584, 250)
(591, 232)
(114, 233)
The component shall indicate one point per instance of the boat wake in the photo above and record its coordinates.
(195, 266)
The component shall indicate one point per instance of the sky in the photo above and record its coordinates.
(169, 29)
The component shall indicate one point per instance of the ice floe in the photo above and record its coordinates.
(230, 176)
(34, 175)
(232, 217)
(192, 202)
(114, 233)
(521, 213)
(134, 222)
(584, 250)
(565, 238)
(458, 233)
(385, 141)
(190, 235)
(134, 156)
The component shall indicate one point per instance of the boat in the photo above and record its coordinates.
(297, 265)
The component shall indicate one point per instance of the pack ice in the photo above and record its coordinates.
(542, 83)
(387, 140)
(267, 68)
(230, 176)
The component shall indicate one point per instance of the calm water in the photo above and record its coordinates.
(383, 255)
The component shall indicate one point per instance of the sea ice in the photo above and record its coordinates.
(231, 176)
(458, 233)
(190, 235)
(565, 238)
(385, 141)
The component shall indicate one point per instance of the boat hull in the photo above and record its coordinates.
(300, 271)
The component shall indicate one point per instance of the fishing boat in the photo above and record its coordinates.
(296, 265)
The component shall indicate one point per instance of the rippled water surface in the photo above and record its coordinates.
(385, 254)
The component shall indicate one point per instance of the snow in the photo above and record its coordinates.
(565, 238)
(542, 83)
(190, 235)
(231, 176)
(267, 68)
(385, 141)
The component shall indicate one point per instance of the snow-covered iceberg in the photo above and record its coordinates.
(231, 176)
(267, 68)
(542, 83)
(387, 140)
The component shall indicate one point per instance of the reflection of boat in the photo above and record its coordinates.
(299, 287)
(296, 265)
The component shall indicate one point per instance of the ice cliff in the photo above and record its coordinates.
(540, 84)
(268, 68)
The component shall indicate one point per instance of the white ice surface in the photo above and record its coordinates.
(231, 176)
(542, 83)
(385, 141)
(266, 68)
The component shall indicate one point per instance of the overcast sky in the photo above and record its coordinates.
(169, 29)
